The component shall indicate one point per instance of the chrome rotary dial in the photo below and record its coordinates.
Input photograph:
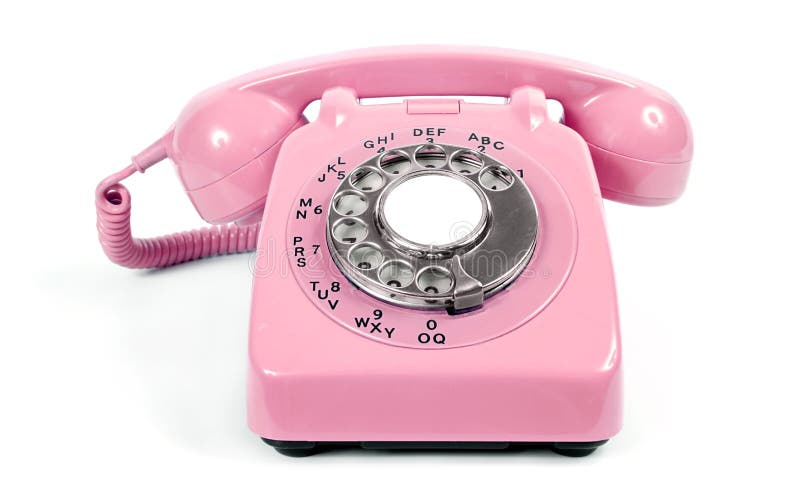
(432, 226)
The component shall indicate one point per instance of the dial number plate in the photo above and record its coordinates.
(377, 284)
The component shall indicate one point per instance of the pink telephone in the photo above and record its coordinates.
(451, 283)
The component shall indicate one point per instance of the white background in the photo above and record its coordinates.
(119, 382)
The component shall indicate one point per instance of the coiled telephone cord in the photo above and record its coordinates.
(113, 204)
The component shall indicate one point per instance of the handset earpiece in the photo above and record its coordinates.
(224, 145)
(640, 141)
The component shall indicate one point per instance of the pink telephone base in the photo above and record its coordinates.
(537, 365)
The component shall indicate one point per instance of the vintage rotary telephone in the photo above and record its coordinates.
(451, 282)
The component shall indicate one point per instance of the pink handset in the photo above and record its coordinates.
(491, 324)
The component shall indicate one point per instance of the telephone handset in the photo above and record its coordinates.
(493, 323)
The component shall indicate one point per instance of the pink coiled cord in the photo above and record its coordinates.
(113, 203)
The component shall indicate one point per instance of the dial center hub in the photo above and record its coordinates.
(433, 209)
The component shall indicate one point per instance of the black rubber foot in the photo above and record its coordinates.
(307, 448)
(577, 449)
(293, 448)
(295, 453)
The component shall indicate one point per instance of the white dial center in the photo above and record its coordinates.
(433, 209)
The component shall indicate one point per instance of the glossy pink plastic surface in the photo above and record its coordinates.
(639, 137)
(553, 375)
(537, 362)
